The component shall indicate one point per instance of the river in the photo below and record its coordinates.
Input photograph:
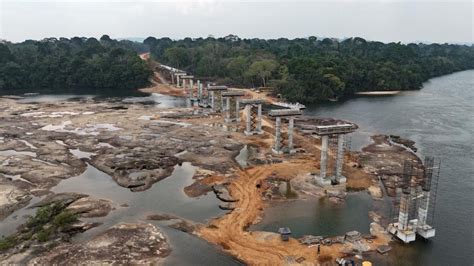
(440, 118)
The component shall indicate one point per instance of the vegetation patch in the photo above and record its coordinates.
(50, 221)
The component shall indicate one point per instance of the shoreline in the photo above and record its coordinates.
(377, 93)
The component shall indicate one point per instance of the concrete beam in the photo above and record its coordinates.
(284, 112)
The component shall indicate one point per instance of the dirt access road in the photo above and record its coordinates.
(265, 248)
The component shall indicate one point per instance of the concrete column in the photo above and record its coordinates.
(324, 156)
(248, 118)
(212, 101)
(291, 122)
(276, 146)
(227, 108)
(340, 156)
(191, 88)
(199, 90)
(403, 214)
(221, 100)
(184, 84)
(218, 101)
(259, 118)
(177, 81)
(237, 109)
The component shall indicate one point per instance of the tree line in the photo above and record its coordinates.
(312, 69)
(61, 65)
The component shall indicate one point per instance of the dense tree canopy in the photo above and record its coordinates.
(62, 64)
(310, 69)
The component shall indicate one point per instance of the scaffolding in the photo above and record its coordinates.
(253, 116)
(417, 201)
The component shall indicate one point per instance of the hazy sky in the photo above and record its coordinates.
(384, 20)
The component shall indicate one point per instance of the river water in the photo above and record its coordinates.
(440, 118)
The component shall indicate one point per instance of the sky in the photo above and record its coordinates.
(382, 20)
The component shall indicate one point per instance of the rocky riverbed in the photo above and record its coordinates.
(42, 144)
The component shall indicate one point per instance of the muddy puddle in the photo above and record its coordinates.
(318, 216)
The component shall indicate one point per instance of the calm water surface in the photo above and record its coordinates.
(319, 217)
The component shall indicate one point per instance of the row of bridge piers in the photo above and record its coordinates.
(228, 102)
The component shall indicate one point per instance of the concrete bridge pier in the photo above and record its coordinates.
(232, 105)
(289, 114)
(253, 118)
(216, 97)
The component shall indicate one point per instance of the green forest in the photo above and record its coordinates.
(62, 65)
(312, 69)
(303, 69)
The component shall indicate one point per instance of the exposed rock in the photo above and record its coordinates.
(64, 198)
(310, 239)
(375, 192)
(184, 226)
(197, 189)
(383, 249)
(11, 199)
(121, 244)
(180, 223)
(376, 229)
(405, 142)
(90, 207)
(161, 217)
(227, 205)
(375, 216)
(386, 161)
(223, 193)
